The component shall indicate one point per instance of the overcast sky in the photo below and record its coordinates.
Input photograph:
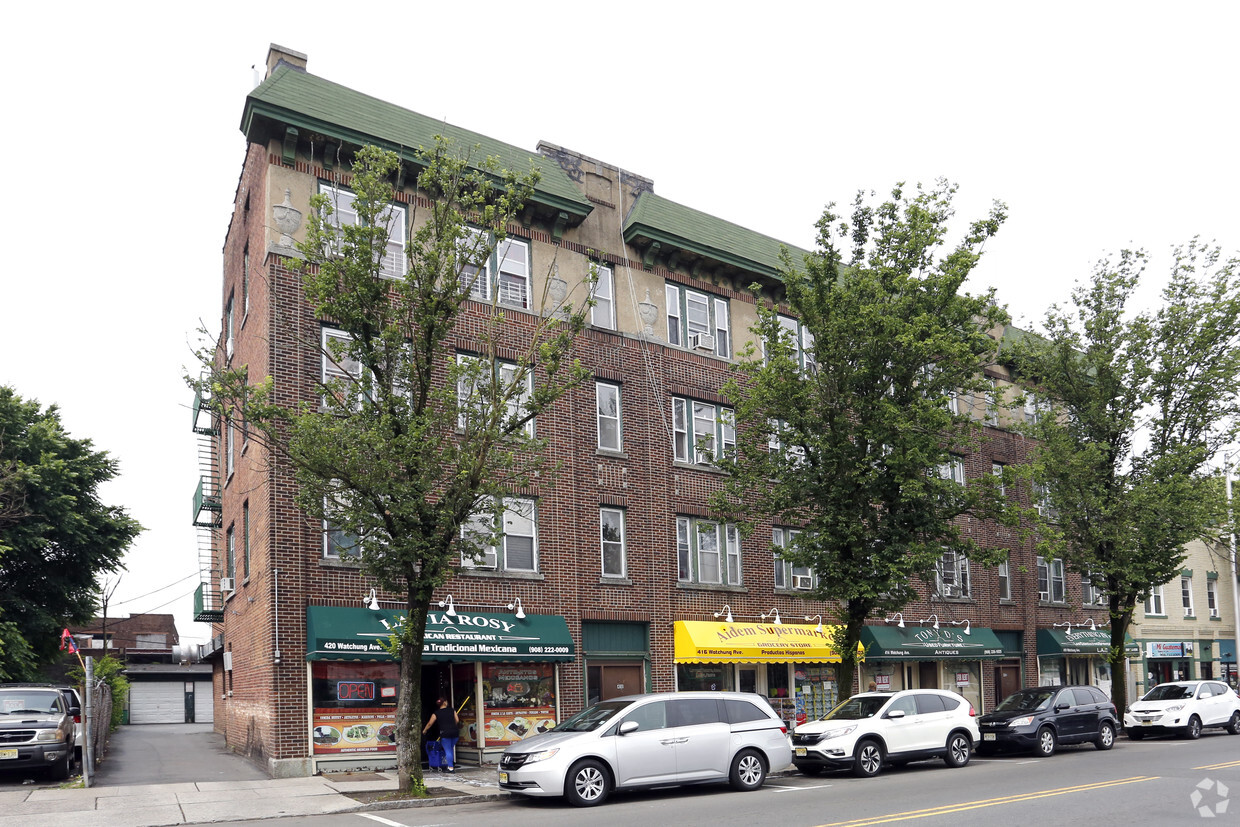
(1101, 125)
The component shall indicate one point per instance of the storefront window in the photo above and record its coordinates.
(816, 694)
(519, 701)
(703, 676)
(354, 707)
(463, 688)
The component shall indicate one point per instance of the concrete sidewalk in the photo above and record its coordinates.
(151, 805)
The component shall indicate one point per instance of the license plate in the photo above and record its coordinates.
(801, 752)
(503, 778)
(7, 753)
(988, 736)
(1147, 723)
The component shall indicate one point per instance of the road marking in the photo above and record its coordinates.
(1222, 766)
(382, 820)
(785, 789)
(948, 809)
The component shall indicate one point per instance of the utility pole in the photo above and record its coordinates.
(1235, 571)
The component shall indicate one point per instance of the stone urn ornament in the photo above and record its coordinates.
(288, 219)
(648, 312)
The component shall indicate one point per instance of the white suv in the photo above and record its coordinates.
(1183, 707)
(876, 728)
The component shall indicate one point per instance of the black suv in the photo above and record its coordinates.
(36, 730)
(1039, 719)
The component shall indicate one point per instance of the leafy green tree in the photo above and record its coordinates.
(1140, 404)
(110, 671)
(844, 423)
(56, 535)
(410, 443)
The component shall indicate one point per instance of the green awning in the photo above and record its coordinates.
(347, 633)
(1081, 642)
(927, 643)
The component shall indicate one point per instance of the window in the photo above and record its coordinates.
(505, 272)
(245, 539)
(1212, 598)
(611, 531)
(777, 442)
(392, 259)
(996, 468)
(471, 391)
(1154, 603)
(1042, 500)
(992, 404)
(229, 341)
(230, 452)
(788, 576)
(516, 544)
(1186, 595)
(1034, 409)
(1050, 580)
(953, 403)
(953, 469)
(245, 284)
(603, 314)
(1092, 593)
(701, 432)
(707, 552)
(1005, 580)
(610, 434)
(802, 343)
(698, 321)
(339, 543)
(952, 574)
(230, 559)
(341, 367)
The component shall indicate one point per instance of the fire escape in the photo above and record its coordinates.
(208, 598)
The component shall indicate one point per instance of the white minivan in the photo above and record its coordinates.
(650, 740)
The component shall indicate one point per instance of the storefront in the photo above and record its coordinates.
(1168, 660)
(1227, 660)
(1078, 656)
(899, 658)
(789, 664)
(499, 670)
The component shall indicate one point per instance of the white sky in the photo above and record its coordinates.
(1102, 125)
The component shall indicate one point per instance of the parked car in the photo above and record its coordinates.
(1184, 708)
(875, 728)
(650, 740)
(1039, 719)
(74, 703)
(36, 730)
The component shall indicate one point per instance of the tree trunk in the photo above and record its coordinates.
(409, 702)
(1120, 620)
(848, 655)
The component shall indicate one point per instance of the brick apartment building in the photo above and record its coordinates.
(612, 577)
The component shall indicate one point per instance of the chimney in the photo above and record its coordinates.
(278, 54)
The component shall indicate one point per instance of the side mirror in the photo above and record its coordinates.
(896, 713)
(1062, 707)
(75, 712)
(629, 726)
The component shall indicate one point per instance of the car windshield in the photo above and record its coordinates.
(592, 718)
(27, 702)
(1170, 692)
(854, 709)
(1031, 700)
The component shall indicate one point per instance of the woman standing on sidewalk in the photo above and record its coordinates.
(449, 730)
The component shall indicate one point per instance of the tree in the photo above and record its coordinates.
(424, 430)
(1140, 403)
(56, 536)
(845, 428)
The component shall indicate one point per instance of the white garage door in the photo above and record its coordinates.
(157, 702)
(204, 702)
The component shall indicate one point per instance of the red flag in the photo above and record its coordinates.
(67, 641)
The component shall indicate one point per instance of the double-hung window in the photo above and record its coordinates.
(1092, 593)
(1050, 580)
(610, 431)
(952, 574)
(503, 273)
(229, 337)
(707, 552)
(1005, 580)
(953, 469)
(698, 321)
(778, 442)
(230, 563)
(511, 544)
(802, 342)
(391, 259)
(996, 468)
(1186, 595)
(474, 387)
(338, 365)
(702, 432)
(337, 542)
(1212, 598)
(611, 538)
(1154, 603)
(230, 454)
(1042, 500)
(603, 314)
(788, 576)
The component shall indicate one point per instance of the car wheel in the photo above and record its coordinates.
(958, 748)
(1233, 726)
(60, 770)
(1134, 734)
(587, 784)
(1106, 736)
(868, 760)
(1193, 731)
(1045, 744)
(748, 771)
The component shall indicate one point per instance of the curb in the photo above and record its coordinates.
(444, 801)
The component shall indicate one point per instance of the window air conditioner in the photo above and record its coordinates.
(802, 581)
(702, 341)
(226, 584)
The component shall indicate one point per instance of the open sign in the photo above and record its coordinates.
(355, 691)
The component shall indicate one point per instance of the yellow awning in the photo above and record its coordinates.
(714, 642)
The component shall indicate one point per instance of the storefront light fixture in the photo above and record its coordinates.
(775, 613)
(447, 602)
(726, 610)
(932, 617)
(371, 601)
(819, 619)
(893, 617)
(516, 604)
(1093, 627)
(968, 627)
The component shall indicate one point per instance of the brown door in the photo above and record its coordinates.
(1007, 681)
(611, 680)
(928, 675)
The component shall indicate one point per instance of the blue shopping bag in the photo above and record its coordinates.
(434, 753)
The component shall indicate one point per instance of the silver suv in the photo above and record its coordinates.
(36, 730)
(650, 740)
(876, 728)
